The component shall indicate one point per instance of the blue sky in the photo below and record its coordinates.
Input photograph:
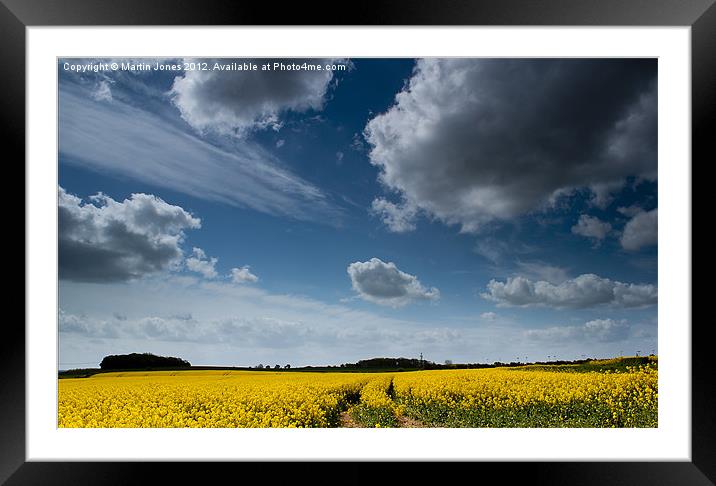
(469, 209)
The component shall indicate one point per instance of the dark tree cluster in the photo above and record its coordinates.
(135, 361)
(384, 363)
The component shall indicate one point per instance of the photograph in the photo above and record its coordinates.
(414, 234)
(357, 242)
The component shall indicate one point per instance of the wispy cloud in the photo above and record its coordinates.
(239, 317)
(602, 330)
(122, 139)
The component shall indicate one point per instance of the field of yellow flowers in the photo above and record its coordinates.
(207, 399)
(493, 397)
(521, 397)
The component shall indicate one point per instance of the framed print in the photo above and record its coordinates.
(425, 234)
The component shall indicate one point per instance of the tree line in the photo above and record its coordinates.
(135, 361)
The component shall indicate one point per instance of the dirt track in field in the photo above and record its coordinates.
(347, 421)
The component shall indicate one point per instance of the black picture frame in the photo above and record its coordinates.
(700, 15)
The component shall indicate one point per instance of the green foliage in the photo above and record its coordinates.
(573, 415)
(616, 365)
(372, 417)
(141, 361)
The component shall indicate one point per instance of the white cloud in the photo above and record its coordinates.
(492, 249)
(630, 211)
(543, 271)
(116, 241)
(240, 317)
(470, 141)
(265, 331)
(358, 143)
(501, 250)
(100, 328)
(246, 331)
(488, 316)
(243, 275)
(584, 291)
(600, 330)
(200, 263)
(280, 143)
(216, 322)
(383, 283)
(398, 219)
(591, 227)
(239, 101)
(103, 92)
(640, 231)
(256, 332)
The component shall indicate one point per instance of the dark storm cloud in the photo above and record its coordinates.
(469, 141)
(118, 241)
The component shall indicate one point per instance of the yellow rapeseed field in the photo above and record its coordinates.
(504, 397)
(493, 397)
(206, 399)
